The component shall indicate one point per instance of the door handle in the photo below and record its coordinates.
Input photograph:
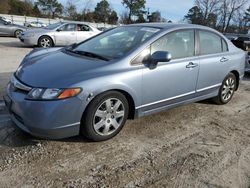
(223, 59)
(191, 65)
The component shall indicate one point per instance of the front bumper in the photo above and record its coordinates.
(247, 69)
(28, 40)
(45, 119)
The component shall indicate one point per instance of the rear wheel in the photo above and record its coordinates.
(105, 116)
(227, 89)
(18, 33)
(45, 42)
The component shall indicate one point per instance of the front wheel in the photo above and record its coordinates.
(18, 33)
(45, 42)
(105, 116)
(227, 90)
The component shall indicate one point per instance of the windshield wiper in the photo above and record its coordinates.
(90, 54)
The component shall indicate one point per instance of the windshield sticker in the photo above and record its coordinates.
(149, 29)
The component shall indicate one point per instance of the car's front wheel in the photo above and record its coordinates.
(18, 33)
(227, 89)
(45, 42)
(105, 116)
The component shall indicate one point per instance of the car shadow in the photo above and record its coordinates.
(247, 76)
(15, 44)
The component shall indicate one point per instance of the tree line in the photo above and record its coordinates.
(103, 11)
(223, 15)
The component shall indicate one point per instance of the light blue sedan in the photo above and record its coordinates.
(93, 87)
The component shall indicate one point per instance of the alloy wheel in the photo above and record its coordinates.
(18, 33)
(228, 89)
(108, 116)
(45, 42)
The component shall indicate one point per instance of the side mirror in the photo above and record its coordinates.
(160, 56)
(58, 30)
(6, 23)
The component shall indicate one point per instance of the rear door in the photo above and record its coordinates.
(66, 34)
(214, 61)
(83, 32)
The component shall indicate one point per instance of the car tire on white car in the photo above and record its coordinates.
(105, 116)
(18, 33)
(45, 42)
(227, 90)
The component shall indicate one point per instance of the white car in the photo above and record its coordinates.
(59, 34)
(5, 19)
(248, 62)
(35, 24)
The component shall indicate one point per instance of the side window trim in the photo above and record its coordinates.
(225, 42)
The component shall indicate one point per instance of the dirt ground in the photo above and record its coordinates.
(197, 145)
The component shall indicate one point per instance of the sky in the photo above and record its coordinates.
(170, 9)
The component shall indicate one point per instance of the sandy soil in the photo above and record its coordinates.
(197, 145)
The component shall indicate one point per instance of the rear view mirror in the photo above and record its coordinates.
(160, 56)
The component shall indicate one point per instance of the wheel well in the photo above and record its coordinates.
(17, 30)
(45, 36)
(131, 112)
(237, 75)
(131, 103)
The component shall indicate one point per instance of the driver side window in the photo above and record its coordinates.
(68, 27)
(180, 44)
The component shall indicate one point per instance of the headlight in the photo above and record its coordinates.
(29, 35)
(51, 94)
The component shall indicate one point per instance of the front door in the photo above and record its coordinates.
(174, 81)
(66, 35)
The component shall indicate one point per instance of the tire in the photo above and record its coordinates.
(105, 116)
(45, 42)
(18, 33)
(227, 90)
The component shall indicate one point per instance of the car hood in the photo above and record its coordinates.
(36, 31)
(19, 26)
(57, 69)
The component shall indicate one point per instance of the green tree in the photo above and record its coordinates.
(247, 15)
(194, 15)
(113, 18)
(102, 11)
(135, 7)
(212, 20)
(4, 6)
(36, 11)
(52, 7)
(140, 18)
(155, 17)
(70, 10)
(21, 7)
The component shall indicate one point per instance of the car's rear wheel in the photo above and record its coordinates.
(18, 33)
(45, 42)
(227, 89)
(105, 116)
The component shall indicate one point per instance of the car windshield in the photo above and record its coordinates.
(116, 43)
(53, 26)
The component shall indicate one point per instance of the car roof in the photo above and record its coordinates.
(75, 22)
(171, 25)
